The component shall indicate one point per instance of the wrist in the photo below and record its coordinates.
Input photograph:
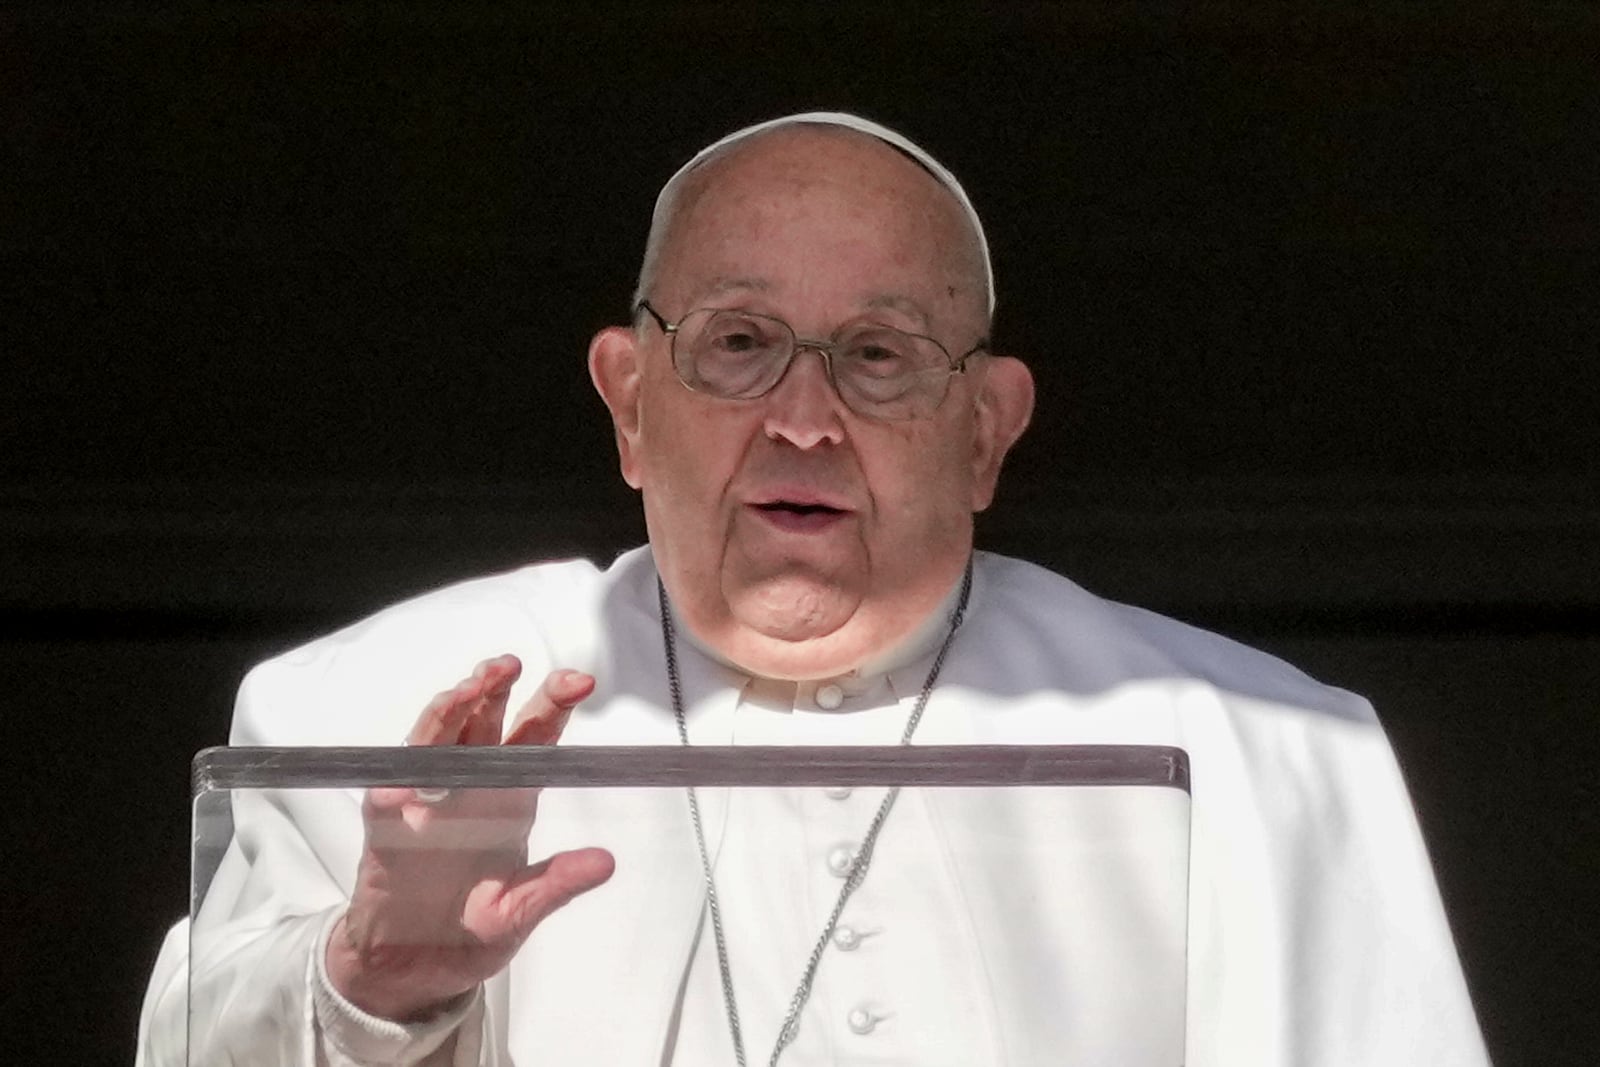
(392, 984)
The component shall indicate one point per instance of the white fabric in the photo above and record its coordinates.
(1316, 936)
(771, 857)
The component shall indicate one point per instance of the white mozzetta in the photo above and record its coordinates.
(1315, 932)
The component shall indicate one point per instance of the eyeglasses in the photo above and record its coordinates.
(878, 371)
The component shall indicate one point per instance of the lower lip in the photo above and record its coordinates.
(800, 521)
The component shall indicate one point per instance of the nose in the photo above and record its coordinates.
(804, 408)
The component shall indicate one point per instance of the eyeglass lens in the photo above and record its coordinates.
(880, 371)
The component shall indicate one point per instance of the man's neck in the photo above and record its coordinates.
(922, 641)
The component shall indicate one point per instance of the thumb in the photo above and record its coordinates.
(544, 887)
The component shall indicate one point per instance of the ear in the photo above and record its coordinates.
(616, 367)
(1002, 408)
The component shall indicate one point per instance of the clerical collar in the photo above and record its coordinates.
(919, 644)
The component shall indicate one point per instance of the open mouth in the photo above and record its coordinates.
(792, 508)
(800, 516)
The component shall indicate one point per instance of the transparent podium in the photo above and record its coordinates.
(920, 905)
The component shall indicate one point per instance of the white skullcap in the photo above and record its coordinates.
(853, 122)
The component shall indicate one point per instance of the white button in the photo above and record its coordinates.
(846, 938)
(840, 859)
(838, 792)
(829, 696)
(861, 1021)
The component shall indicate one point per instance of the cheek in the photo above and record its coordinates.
(689, 453)
(920, 487)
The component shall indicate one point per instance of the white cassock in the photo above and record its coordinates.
(1315, 932)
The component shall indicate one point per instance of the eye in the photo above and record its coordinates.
(879, 354)
(733, 353)
(733, 341)
(729, 334)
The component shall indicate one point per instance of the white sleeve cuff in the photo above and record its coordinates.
(351, 1037)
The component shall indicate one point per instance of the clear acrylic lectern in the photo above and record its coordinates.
(1024, 906)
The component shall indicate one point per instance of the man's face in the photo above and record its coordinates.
(795, 536)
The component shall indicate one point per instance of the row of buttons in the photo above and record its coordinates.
(841, 859)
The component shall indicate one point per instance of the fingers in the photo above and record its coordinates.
(473, 713)
(473, 710)
(496, 675)
(550, 884)
(545, 715)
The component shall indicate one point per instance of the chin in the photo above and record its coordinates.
(803, 660)
(794, 627)
(795, 608)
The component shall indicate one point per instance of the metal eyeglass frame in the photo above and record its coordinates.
(823, 348)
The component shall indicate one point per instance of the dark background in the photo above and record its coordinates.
(294, 299)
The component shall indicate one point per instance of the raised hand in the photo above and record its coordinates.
(444, 895)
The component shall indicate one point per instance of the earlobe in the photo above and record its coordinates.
(615, 369)
(1004, 406)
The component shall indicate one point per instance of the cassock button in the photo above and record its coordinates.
(846, 938)
(840, 859)
(838, 792)
(861, 1021)
(829, 697)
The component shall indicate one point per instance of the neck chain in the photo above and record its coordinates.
(858, 866)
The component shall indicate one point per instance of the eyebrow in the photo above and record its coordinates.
(903, 304)
(725, 285)
(878, 301)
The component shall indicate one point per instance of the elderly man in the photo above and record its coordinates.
(807, 402)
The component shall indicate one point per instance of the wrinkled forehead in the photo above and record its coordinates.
(667, 200)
